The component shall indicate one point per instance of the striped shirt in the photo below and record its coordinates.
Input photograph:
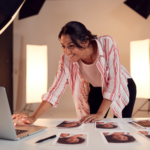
(113, 79)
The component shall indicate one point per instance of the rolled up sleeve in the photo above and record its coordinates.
(112, 78)
(58, 87)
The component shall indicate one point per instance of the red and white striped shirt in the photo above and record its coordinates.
(113, 78)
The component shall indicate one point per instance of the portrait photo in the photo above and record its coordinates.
(103, 125)
(145, 133)
(133, 125)
(71, 139)
(143, 123)
(119, 138)
(70, 124)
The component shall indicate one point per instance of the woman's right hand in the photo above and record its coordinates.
(23, 118)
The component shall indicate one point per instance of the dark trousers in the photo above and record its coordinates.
(95, 99)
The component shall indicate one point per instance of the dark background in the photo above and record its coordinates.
(6, 63)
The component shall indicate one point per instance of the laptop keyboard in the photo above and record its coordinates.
(20, 131)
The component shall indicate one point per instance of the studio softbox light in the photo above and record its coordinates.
(8, 11)
(142, 7)
(30, 8)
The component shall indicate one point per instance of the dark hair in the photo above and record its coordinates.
(102, 126)
(111, 140)
(63, 123)
(148, 136)
(64, 141)
(77, 32)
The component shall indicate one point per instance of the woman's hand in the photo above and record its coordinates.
(23, 118)
(92, 118)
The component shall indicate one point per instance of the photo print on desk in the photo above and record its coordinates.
(71, 125)
(133, 125)
(144, 133)
(71, 139)
(119, 138)
(143, 123)
(105, 125)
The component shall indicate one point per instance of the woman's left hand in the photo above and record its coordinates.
(92, 118)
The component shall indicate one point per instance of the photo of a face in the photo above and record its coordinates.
(70, 124)
(143, 123)
(133, 125)
(145, 133)
(74, 139)
(107, 125)
(118, 138)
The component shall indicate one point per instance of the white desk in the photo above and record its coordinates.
(95, 140)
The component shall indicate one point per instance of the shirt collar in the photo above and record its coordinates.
(100, 51)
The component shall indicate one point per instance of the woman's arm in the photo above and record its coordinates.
(104, 107)
(78, 135)
(49, 99)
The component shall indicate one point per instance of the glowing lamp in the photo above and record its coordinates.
(36, 72)
(140, 66)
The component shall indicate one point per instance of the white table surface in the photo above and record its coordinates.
(95, 140)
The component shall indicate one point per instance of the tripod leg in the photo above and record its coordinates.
(149, 106)
(140, 108)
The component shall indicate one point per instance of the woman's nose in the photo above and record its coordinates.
(67, 50)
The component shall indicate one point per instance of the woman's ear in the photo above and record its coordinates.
(85, 43)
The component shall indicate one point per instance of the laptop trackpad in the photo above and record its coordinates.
(27, 129)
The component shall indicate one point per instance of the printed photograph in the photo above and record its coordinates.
(74, 139)
(143, 123)
(71, 124)
(119, 138)
(133, 125)
(108, 125)
(145, 133)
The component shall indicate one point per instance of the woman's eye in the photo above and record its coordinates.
(71, 46)
(63, 46)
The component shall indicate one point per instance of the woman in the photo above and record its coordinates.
(110, 125)
(119, 137)
(91, 66)
(143, 123)
(75, 139)
(144, 132)
(69, 124)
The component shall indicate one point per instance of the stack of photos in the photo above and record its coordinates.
(71, 124)
(143, 123)
(145, 133)
(103, 125)
(71, 139)
(119, 138)
(133, 125)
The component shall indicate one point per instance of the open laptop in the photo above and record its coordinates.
(7, 128)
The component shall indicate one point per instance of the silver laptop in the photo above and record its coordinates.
(7, 128)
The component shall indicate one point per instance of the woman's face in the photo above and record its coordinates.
(72, 140)
(146, 123)
(64, 134)
(70, 124)
(99, 123)
(70, 49)
(107, 126)
(120, 137)
(144, 132)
